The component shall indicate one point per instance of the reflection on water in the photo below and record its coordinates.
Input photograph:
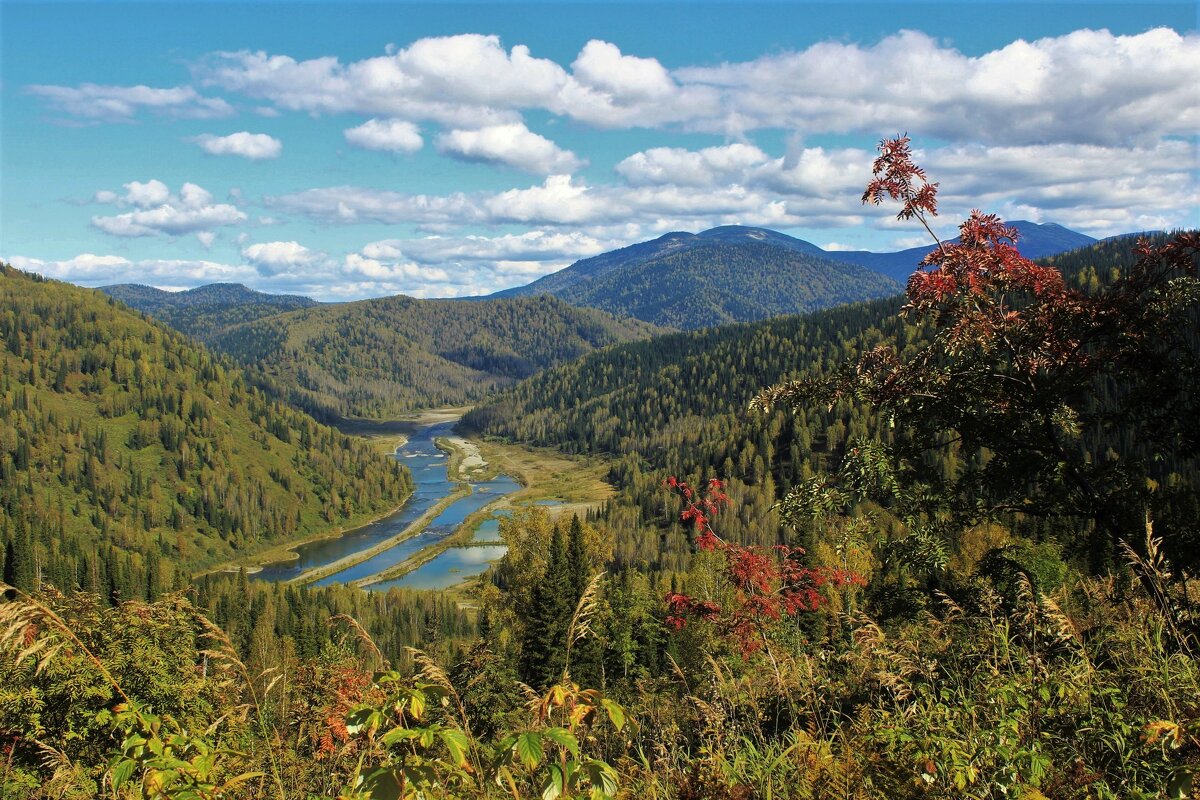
(447, 569)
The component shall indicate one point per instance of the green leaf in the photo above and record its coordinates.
(398, 735)
(457, 743)
(564, 738)
(382, 784)
(121, 773)
(529, 749)
(602, 777)
(416, 704)
(554, 786)
(616, 713)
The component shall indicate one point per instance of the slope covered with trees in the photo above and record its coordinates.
(678, 404)
(718, 283)
(382, 357)
(130, 456)
(720, 276)
(206, 310)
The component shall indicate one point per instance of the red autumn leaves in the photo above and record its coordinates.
(768, 584)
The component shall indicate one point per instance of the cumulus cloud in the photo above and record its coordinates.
(1084, 87)
(92, 102)
(808, 187)
(101, 270)
(254, 146)
(143, 195)
(681, 167)
(532, 246)
(456, 80)
(273, 258)
(393, 135)
(159, 213)
(513, 145)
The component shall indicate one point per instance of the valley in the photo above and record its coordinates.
(599, 401)
(456, 494)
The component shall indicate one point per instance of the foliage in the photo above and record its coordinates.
(767, 587)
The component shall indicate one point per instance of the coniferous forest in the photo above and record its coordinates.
(938, 545)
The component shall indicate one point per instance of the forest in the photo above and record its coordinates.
(378, 358)
(718, 283)
(933, 546)
(131, 456)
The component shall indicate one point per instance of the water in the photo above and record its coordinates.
(430, 485)
(439, 528)
(489, 529)
(448, 568)
(459, 563)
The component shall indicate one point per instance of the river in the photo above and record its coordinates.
(431, 484)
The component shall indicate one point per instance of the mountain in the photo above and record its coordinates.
(130, 456)
(151, 300)
(723, 275)
(679, 400)
(386, 356)
(740, 274)
(205, 310)
(1036, 241)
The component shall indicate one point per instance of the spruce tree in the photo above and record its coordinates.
(543, 649)
(586, 657)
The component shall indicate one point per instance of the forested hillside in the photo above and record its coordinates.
(678, 405)
(723, 275)
(383, 357)
(717, 283)
(130, 456)
(207, 310)
(600, 280)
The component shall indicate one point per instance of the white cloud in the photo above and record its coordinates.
(536, 246)
(1084, 87)
(159, 213)
(206, 239)
(273, 258)
(602, 66)
(456, 80)
(680, 167)
(96, 103)
(808, 187)
(394, 135)
(513, 145)
(254, 146)
(101, 270)
(143, 195)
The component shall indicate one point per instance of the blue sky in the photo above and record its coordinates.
(356, 150)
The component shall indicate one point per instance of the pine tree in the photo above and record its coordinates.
(20, 562)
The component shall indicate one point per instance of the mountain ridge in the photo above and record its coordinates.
(1037, 240)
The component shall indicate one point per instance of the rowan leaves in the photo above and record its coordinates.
(769, 583)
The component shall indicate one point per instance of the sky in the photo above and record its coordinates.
(344, 151)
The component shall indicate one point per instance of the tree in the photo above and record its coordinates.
(1021, 374)
(543, 647)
